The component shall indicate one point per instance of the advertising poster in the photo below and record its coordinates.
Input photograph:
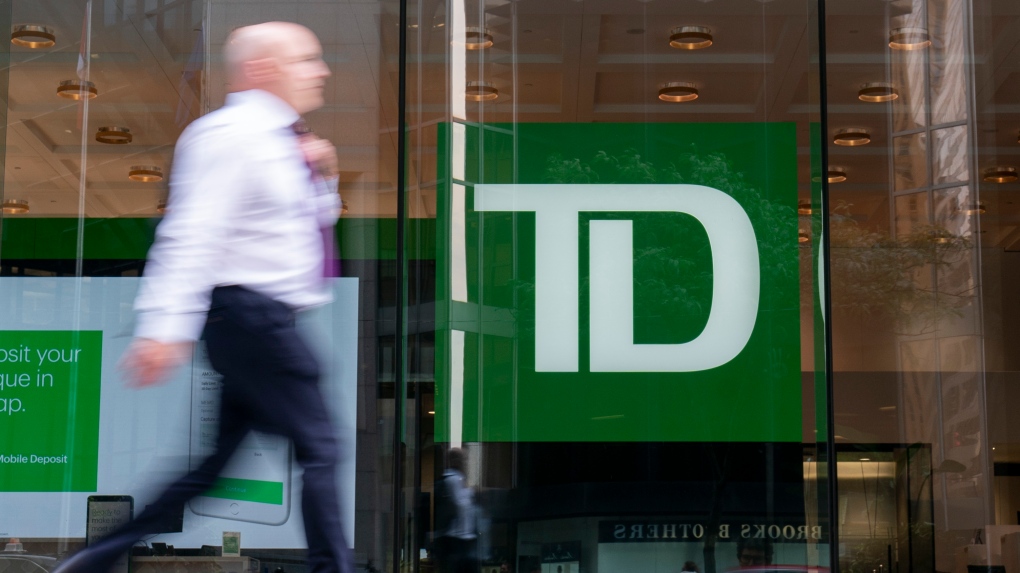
(71, 429)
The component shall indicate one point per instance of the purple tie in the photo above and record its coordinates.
(330, 263)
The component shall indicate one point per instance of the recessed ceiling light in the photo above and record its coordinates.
(145, 173)
(480, 91)
(804, 207)
(33, 36)
(941, 236)
(877, 92)
(476, 38)
(1001, 175)
(865, 459)
(976, 208)
(114, 135)
(678, 92)
(836, 175)
(690, 37)
(909, 39)
(15, 206)
(77, 90)
(852, 137)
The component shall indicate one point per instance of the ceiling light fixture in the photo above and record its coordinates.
(804, 207)
(145, 173)
(836, 175)
(15, 206)
(941, 236)
(877, 92)
(909, 39)
(1001, 175)
(77, 90)
(476, 38)
(852, 137)
(803, 237)
(114, 135)
(33, 36)
(480, 91)
(690, 37)
(976, 208)
(678, 92)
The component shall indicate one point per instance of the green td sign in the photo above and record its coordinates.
(618, 282)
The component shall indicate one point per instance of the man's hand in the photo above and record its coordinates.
(148, 362)
(321, 155)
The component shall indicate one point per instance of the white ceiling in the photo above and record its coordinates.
(140, 49)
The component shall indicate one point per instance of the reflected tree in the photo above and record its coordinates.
(903, 278)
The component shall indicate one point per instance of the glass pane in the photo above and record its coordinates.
(95, 177)
(911, 214)
(947, 20)
(910, 161)
(568, 427)
(922, 330)
(950, 154)
(910, 108)
(906, 68)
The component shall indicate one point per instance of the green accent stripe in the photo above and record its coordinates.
(130, 238)
(56, 238)
(247, 490)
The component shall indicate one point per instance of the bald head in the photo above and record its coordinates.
(282, 58)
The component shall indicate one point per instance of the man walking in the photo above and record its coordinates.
(246, 242)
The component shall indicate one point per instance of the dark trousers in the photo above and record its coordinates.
(270, 384)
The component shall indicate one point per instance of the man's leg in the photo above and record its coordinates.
(307, 423)
(278, 381)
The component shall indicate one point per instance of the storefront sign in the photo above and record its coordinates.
(49, 410)
(618, 282)
(678, 531)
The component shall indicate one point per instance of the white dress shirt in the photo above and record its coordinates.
(243, 210)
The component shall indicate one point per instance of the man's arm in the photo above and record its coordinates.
(206, 185)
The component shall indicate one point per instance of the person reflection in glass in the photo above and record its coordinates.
(456, 535)
(754, 552)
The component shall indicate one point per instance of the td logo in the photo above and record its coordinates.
(735, 269)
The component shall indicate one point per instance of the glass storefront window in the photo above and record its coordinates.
(921, 333)
(592, 255)
(605, 178)
(84, 186)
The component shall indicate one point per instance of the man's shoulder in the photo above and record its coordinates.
(226, 124)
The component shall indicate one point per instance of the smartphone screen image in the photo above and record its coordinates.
(104, 514)
(255, 484)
